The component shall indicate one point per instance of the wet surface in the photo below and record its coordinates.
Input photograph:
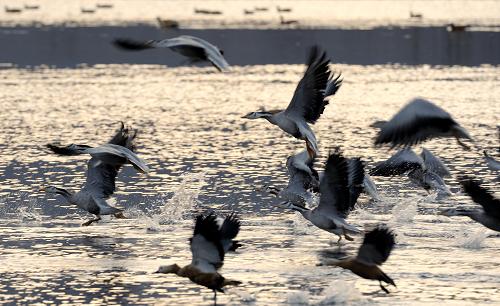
(203, 156)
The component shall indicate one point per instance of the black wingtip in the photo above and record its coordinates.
(130, 45)
(383, 238)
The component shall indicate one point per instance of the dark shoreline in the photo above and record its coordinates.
(72, 46)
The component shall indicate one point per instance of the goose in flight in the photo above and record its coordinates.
(489, 215)
(194, 48)
(303, 179)
(375, 250)
(209, 244)
(425, 170)
(308, 102)
(339, 190)
(418, 121)
(103, 167)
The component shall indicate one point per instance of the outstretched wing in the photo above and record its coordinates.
(377, 246)
(402, 162)
(69, 150)
(481, 196)
(434, 163)
(416, 122)
(334, 187)
(309, 100)
(229, 230)
(355, 180)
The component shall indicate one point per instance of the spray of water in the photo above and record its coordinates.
(471, 240)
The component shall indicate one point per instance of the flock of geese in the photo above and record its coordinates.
(338, 186)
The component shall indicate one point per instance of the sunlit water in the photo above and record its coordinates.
(204, 157)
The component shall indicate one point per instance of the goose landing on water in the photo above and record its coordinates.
(375, 250)
(209, 244)
(308, 102)
(103, 168)
(194, 48)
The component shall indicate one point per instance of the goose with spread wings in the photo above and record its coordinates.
(209, 244)
(418, 121)
(194, 48)
(375, 250)
(426, 170)
(308, 102)
(489, 215)
(339, 189)
(102, 169)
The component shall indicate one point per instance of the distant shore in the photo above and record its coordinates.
(24, 46)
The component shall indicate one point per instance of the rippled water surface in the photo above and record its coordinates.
(204, 156)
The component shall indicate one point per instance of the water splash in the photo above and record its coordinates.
(471, 240)
(178, 207)
(342, 292)
(300, 225)
(404, 212)
(297, 298)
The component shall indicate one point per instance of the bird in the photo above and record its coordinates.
(194, 48)
(492, 163)
(167, 23)
(283, 9)
(103, 168)
(308, 102)
(31, 6)
(375, 250)
(426, 170)
(248, 12)
(12, 10)
(87, 10)
(104, 5)
(287, 22)
(209, 244)
(303, 178)
(489, 215)
(339, 189)
(456, 27)
(415, 15)
(418, 121)
(261, 9)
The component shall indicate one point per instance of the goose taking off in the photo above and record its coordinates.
(194, 48)
(417, 122)
(340, 188)
(102, 170)
(425, 170)
(302, 178)
(308, 102)
(489, 215)
(375, 250)
(209, 244)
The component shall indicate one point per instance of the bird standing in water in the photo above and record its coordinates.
(209, 244)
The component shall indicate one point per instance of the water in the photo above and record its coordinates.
(204, 157)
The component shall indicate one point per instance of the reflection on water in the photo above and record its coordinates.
(204, 156)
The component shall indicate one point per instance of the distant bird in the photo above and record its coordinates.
(308, 102)
(457, 28)
(417, 122)
(248, 12)
(103, 168)
(489, 215)
(283, 9)
(339, 190)
(303, 178)
(87, 10)
(209, 244)
(287, 22)
(375, 250)
(194, 48)
(12, 10)
(31, 6)
(425, 170)
(415, 15)
(207, 12)
(104, 5)
(167, 23)
(261, 9)
(493, 164)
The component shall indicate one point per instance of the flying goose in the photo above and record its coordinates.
(376, 248)
(209, 244)
(489, 215)
(339, 190)
(425, 170)
(194, 48)
(308, 102)
(417, 122)
(102, 170)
